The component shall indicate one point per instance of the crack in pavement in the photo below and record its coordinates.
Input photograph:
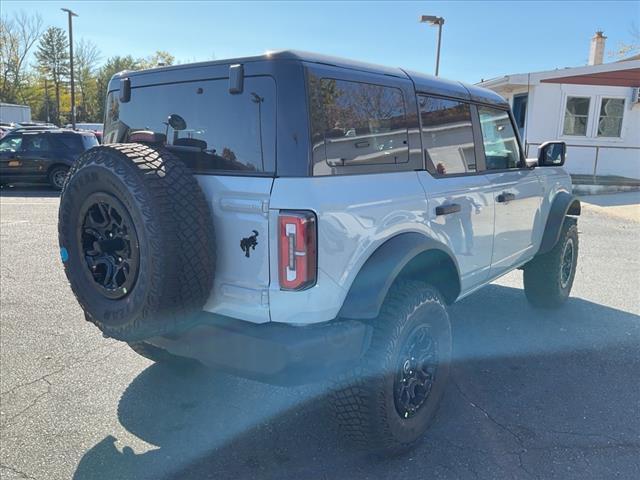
(500, 425)
(612, 442)
(16, 471)
(75, 361)
(45, 378)
(28, 407)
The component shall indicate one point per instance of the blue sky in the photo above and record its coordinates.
(480, 39)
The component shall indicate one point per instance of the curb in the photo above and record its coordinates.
(582, 189)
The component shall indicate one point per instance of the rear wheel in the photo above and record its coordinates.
(389, 401)
(57, 176)
(548, 278)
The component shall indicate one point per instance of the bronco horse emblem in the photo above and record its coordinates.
(249, 243)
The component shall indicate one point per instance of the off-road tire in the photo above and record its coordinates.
(363, 399)
(57, 175)
(544, 285)
(175, 238)
(158, 355)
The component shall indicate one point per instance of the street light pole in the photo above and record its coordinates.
(73, 88)
(439, 21)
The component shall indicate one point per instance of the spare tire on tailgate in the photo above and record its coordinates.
(136, 239)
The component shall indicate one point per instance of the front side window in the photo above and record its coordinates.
(212, 130)
(501, 147)
(36, 143)
(610, 119)
(10, 144)
(576, 116)
(447, 136)
(356, 123)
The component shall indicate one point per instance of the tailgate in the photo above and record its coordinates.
(240, 207)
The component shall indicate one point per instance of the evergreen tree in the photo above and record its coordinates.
(53, 61)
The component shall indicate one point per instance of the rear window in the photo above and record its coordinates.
(222, 132)
(356, 124)
(89, 141)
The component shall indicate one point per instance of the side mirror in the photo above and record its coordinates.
(125, 90)
(552, 154)
(177, 122)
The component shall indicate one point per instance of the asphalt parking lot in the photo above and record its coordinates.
(535, 395)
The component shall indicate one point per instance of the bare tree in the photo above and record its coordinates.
(18, 35)
(86, 58)
(627, 49)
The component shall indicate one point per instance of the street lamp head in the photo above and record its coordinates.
(69, 12)
(432, 19)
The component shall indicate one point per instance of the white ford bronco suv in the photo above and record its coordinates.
(293, 216)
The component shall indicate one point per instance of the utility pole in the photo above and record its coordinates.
(73, 88)
(46, 98)
(439, 21)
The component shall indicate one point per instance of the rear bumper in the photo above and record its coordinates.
(271, 352)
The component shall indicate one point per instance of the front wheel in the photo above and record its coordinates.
(389, 401)
(548, 278)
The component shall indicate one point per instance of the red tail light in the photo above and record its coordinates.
(297, 250)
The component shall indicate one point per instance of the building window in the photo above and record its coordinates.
(576, 116)
(610, 120)
(520, 111)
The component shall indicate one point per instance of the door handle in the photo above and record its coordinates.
(506, 197)
(448, 209)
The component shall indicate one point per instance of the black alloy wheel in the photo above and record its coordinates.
(567, 263)
(109, 244)
(416, 372)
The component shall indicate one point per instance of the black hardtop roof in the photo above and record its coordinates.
(423, 82)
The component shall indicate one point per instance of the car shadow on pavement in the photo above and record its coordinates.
(547, 394)
(28, 191)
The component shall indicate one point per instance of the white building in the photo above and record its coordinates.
(10, 113)
(594, 109)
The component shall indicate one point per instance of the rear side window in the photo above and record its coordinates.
(447, 136)
(72, 142)
(501, 148)
(221, 131)
(356, 124)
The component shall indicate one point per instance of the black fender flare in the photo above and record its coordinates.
(372, 283)
(563, 204)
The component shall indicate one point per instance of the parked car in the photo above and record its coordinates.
(33, 128)
(293, 216)
(35, 125)
(28, 155)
